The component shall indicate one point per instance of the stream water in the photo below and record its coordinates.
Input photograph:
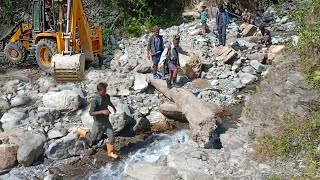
(153, 147)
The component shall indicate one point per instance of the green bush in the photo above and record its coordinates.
(307, 18)
(138, 17)
(295, 138)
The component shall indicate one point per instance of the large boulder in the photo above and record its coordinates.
(66, 147)
(196, 161)
(274, 50)
(140, 82)
(30, 148)
(156, 117)
(46, 115)
(247, 78)
(120, 119)
(142, 124)
(191, 65)
(11, 86)
(8, 156)
(12, 118)
(143, 171)
(20, 100)
(249, 30)
(256, 56)
(224, 53)
(258, 66)
(65, 100)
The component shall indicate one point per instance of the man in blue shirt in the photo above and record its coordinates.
(154, 49)
(222, 21)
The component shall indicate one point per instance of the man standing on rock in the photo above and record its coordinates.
(170, 59)
(99, 111)
(154, 49)
(222, 21)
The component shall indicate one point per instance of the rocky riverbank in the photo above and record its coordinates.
(39, 117)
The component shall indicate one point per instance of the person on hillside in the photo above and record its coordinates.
(265, 37)
(204, 17)
(170, 60)
(99, 111)
(154, 49)
(222, 21)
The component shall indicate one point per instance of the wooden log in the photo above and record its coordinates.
(201, 117)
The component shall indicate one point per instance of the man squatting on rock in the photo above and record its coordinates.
(170, 60)
(99, 111)
(154, 50)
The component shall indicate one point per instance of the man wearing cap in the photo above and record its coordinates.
(154, 49)
(170, 60)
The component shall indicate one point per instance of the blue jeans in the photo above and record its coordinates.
(222, 32)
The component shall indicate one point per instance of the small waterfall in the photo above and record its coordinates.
(156, 145)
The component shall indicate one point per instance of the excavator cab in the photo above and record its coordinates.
(59, 36)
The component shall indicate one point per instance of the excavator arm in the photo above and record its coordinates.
(69, 65)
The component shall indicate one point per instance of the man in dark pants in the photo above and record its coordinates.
(222, 21)
(99, 111)
(154, 49)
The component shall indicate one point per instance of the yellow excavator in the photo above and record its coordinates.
(60, 38)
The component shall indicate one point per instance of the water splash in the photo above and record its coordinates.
(156, 145)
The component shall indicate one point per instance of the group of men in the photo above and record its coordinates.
(166, 57)
(222, 21)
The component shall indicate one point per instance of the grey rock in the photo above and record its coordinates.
(249, 30)
(31, 147)
(247, 78)
(12, 118)
(65, 100)
(142, 125)
(249, 69)
(140, 82)
(145, 171)
(120, 119)
(47, 115)
(156, 117)
(257, 66)
(20, 100)
(57, 133)
(256, 56)
(237, 83)
(66, 147)
(225, 74)
(295, 40)
(215, 82)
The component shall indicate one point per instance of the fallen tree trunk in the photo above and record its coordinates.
(201, 117)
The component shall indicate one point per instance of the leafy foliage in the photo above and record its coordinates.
(307, 17)
(293, 139)
(140, 16)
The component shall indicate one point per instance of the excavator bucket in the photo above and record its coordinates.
(68, 68)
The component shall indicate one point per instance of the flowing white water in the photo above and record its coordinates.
(157, 145)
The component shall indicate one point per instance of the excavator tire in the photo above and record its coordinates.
(45, 49)
(15, 53)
